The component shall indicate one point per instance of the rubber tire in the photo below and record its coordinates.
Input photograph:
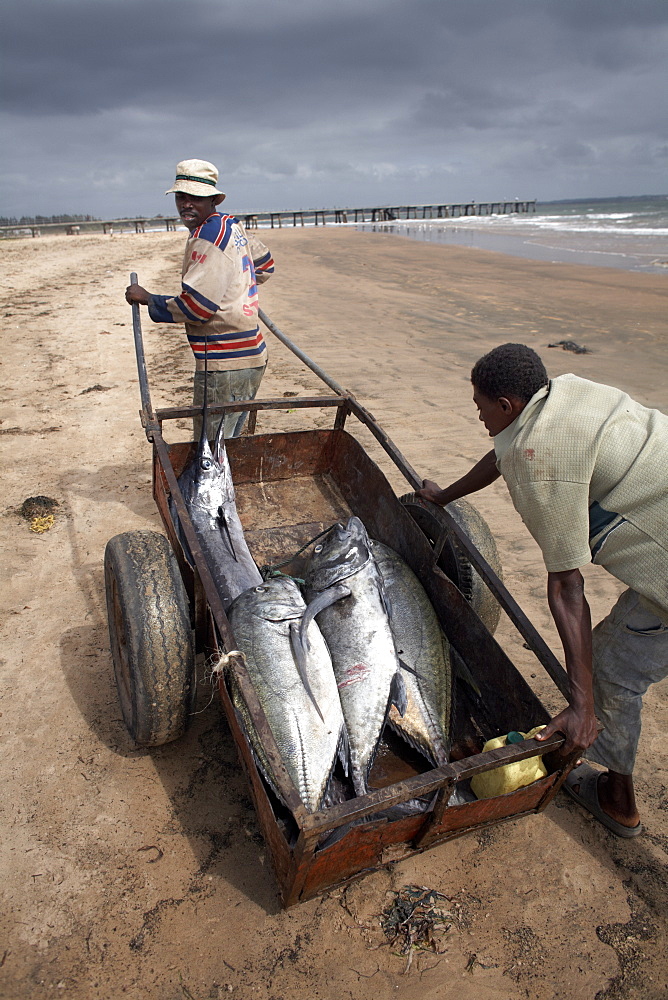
(453, 561)
(151, 636)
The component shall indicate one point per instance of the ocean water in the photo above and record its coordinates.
(629, 233)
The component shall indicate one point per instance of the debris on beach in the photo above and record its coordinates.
(41, 524)
(39, 511)
(570, 345)
(414, 919)
(37, 507)
(95, 388)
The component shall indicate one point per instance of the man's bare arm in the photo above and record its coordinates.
(481, 475)
(570, 610)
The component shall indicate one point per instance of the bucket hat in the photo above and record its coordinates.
(198, 177)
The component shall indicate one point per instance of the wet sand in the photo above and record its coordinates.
(129, 873)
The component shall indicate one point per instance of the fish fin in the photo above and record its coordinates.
(223, 520)
(343, 750)
(300, 659)
(385, 598)
(460, 668)
(410, 670)
(398, 694)
(318, 604)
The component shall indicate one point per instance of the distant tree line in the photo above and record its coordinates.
(42, 220)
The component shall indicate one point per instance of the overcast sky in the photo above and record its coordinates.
(325, 103)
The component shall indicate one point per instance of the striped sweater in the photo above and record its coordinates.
(218, 302)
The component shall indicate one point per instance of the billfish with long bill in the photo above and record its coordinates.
(207, 488)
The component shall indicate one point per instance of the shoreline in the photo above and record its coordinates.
(623, 251)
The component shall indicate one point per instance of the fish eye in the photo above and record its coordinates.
(318, 548)
(205, 463)
(260, 590)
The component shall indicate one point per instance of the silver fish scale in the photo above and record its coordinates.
(360, 641)
(261, 619)
(422, 646)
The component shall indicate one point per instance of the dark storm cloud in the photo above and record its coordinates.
(313, 102)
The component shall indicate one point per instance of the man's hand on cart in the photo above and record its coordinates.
(135, 293)
(578, 726)
(482, 474)
(430, 491)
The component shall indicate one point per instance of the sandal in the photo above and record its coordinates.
(586, 777)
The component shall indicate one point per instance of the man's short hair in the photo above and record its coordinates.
(509, 370)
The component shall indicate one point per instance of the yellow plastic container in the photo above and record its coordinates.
(508, 777)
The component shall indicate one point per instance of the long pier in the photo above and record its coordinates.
(302, 217)
(386, 213)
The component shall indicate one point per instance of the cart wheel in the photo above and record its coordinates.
(151, 637)
(453, 561)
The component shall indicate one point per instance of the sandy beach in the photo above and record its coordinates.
(143, 874)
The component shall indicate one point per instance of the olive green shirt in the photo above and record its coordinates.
(577, 443)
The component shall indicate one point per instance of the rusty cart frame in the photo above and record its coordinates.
(329, 473)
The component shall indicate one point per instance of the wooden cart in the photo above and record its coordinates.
(290, 486)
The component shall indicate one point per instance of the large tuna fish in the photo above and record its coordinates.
(266, 621)
(208, 491)
(344, 590)
(422, 647)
